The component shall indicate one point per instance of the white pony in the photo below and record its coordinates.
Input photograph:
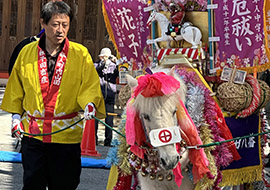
(189, 33)
(161, 112)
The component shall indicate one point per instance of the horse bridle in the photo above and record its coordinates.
(182, 143)
(151, 164)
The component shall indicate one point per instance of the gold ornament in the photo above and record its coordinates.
(133, 157)
(138, 162)
(183, 143)
(173, 34)
(144, 164)
(152, 166)
(138, 167)
(143, 174)
(152, 176)
(169, 177)
(160, 177)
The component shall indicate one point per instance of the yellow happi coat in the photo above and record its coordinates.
(79, 86)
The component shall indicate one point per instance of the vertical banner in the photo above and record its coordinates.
(240, 26)
(266, 11)
(249, 167)
(126, 23)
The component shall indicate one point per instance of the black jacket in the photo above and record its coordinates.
(108, 75)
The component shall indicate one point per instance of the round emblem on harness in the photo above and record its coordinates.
(165, 136)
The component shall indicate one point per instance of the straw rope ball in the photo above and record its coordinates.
(234, 97)
(124, 95)
(249, 94)
(265, 94)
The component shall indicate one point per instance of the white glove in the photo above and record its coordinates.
(89, 111)
(16, 126)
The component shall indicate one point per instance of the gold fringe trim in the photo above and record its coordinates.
(123, 155)
(266, 8)
(109, 28)
(207, 138)
(241, 176)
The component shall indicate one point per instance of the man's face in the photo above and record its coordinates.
(57, 29)
(103, 58)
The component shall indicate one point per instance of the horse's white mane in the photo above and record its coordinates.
(162, 18)
(145, 105)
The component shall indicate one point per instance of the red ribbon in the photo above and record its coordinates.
(153, 88)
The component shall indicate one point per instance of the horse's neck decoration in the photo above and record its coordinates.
(188, 32)
(156, 104)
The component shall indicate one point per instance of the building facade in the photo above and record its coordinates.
(19, 19)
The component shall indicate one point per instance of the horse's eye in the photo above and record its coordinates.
(174, 112)
(146, 117)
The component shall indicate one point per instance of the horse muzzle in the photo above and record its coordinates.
(170, 163)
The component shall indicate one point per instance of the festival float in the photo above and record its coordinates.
(216, 58)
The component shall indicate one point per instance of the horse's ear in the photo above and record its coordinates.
(171, 73)
(132, 82)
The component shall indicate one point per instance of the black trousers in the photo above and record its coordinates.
(109, 121)
(57, 166)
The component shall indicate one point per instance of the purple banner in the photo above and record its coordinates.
(128, 22)
(246, 146)
(239, 24)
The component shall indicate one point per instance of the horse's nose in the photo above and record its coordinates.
(163, 162)
(178, 158)
(170, 164)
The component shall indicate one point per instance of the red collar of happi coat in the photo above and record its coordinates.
(50, 91)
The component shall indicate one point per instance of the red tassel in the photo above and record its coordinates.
(226, 133)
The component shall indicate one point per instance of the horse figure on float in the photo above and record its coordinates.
(188, 32)
(157, 105)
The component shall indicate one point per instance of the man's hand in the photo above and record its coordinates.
(16, 126)
(89, 111)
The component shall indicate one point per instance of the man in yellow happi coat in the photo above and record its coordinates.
(51, 81)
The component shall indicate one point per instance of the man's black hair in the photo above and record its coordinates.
(56, 7)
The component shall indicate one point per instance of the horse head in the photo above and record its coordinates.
(156, 98)
(151, 18)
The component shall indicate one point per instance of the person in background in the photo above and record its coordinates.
(108, 73)
(51, 81)
(18, 48)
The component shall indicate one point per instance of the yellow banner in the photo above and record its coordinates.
(109, 28)
(267, 26)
